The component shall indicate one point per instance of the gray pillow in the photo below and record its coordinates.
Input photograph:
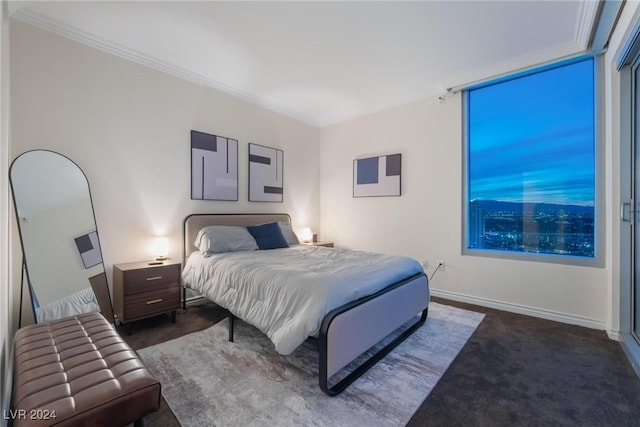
(288, 233)
(224, 238)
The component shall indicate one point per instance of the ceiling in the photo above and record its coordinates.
(326, 62)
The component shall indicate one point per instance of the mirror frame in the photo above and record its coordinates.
(99, 283)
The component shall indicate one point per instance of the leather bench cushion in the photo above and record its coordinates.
(79, 369)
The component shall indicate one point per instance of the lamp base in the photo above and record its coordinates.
(161, 258)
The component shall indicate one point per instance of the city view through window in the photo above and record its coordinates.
(531, 163)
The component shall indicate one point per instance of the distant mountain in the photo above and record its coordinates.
(495, 205)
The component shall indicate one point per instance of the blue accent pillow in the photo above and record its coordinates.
(268, 236)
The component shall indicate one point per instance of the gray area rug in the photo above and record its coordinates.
(208, 381)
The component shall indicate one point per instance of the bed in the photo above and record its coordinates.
(344, 301)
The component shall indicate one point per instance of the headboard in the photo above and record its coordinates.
(194, 222)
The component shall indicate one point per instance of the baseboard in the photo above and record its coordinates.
(632, 350)
(614, 335)
(521, 309)
(499, 305)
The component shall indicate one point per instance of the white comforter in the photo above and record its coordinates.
(83, 301)
(287, 292)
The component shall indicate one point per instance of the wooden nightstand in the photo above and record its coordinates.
(141, 290)
(325, 244)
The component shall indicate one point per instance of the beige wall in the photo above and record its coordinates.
(425, 222)
(128, 127)
(7, 325)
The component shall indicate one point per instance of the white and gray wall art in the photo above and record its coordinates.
(377, 176)
(89, 249)
(214, 167)
(265, 174)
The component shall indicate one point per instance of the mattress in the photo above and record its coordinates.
(287, 292)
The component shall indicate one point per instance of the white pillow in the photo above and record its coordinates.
(224, 238)
(288, 233)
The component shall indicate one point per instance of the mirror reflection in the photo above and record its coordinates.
(59, 236)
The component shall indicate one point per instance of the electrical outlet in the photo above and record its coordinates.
(441, 264)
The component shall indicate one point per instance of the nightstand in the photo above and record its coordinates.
(325, 244)
(144, 289)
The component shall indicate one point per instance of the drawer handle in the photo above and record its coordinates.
(155, 301)
(154, 278)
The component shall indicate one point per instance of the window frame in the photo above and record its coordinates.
(598, 260)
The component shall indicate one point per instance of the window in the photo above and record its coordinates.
(531, 163)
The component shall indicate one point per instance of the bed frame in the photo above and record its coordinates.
(347, 331)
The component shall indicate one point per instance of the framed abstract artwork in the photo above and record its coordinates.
(265, 174)
(89, 249)
(377, 176)
(214, 167)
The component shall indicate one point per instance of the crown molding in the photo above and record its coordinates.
(61, 29)
(587, 11)
(514, 66)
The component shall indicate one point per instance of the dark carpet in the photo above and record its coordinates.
(514, 371)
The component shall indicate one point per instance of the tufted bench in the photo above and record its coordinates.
(78, 371)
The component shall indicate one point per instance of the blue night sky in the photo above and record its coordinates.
(532, 139)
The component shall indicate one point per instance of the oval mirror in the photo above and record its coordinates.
(60, 244)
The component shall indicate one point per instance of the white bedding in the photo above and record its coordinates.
(83, 301)
(287, 292)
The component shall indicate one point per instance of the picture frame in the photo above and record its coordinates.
(214, 167)
(266, 166)
(89, 249)
(378, 176)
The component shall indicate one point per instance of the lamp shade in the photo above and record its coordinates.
(161, 248)
(305, 235)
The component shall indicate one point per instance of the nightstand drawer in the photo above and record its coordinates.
(149, 303)
(147, 280)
